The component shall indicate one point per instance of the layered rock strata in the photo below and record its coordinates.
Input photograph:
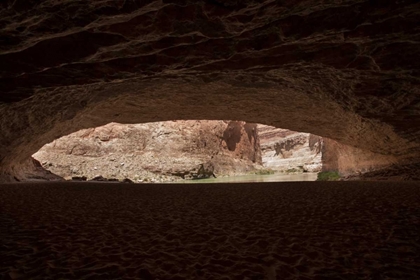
(287, 150)
(162, 151)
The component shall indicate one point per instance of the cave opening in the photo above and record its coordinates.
(352, 144)
(347, 71)
(183, 151)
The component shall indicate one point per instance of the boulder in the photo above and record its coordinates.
(99, 178)
(79, 178)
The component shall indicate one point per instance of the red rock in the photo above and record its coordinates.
(155, 152)
(344, 70)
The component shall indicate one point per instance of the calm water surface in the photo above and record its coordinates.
(278, 177)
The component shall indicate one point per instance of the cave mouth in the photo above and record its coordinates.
(184, 151)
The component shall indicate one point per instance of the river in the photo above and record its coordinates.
(277, 177)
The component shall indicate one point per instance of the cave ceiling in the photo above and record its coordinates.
(347, 69)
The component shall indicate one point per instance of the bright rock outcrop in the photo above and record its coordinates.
(162, 151)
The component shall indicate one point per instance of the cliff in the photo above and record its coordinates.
(286, 150)
(162, 151)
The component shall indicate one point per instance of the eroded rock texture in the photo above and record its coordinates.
(347, 70)
(287, 150)
(351, 161)
(162, 151)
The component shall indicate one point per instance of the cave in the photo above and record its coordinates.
(347, 71)
(32, 122)
(146, 61)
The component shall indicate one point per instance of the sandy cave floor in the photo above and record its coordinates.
(305, 230)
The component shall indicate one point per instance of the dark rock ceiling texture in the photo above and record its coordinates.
(347, 70)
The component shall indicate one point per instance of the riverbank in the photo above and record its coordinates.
(257, 178)
(290, 230)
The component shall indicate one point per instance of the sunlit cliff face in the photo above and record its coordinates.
(344, 70)
(174, 150)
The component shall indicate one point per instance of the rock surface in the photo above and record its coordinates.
(287, 150)
(162, 151)
(345, 70)
(351, 161)
(32, 170)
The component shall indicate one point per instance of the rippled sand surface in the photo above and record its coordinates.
(305, 230)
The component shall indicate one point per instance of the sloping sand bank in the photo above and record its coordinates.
(296, 230)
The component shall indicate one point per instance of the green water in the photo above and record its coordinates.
(278, 177)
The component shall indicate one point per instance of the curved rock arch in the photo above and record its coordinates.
(345, 70)
(49, 115)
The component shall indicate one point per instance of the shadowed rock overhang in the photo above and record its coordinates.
(346, 70)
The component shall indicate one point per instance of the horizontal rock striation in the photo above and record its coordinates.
(161, 151)
(287, 150)
(345, 70)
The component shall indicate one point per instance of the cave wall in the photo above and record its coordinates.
(345, 70)
(352, 161)
(33, 122)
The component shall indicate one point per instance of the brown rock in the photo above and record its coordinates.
(31, 170)
(156, 151)
(79, 178)
(99, 178)
(349, 160)
(344, 70)
(285, 150)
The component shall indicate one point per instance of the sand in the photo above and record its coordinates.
(295, 230)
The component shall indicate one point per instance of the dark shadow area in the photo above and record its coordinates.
(316, 230)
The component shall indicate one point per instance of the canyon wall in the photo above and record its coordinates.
(165, 151)
(162, 151)
(288, 150)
